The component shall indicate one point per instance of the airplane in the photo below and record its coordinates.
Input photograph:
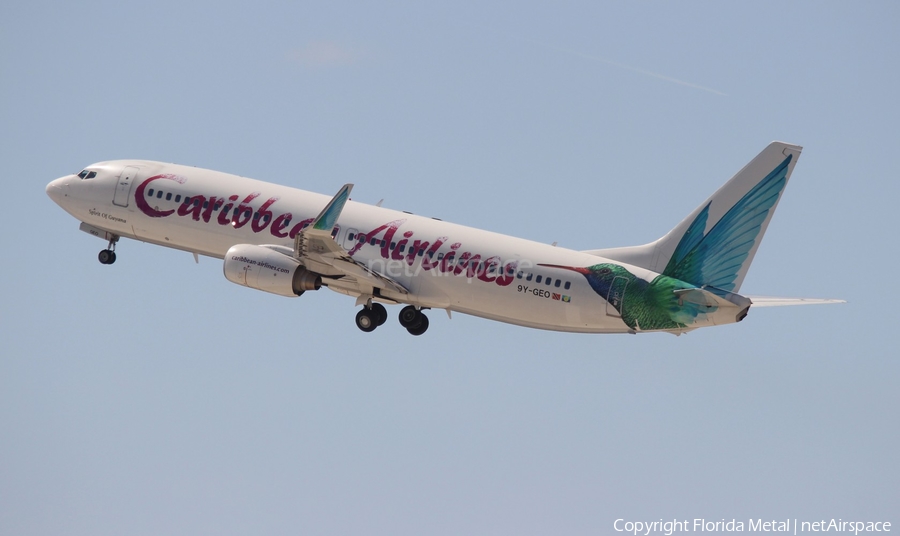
(288, 241)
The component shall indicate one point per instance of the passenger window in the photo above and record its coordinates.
(528, 277)
(373, 241)
(549, 280)
(538, 279)
(255, 216)
(351, 236)
(557, 283)
(178, 198)
(393, 245)
(421, 252)
(519, 275)
(402, 247)
(187, 200)
(159, 194)
(169, 196)
(567, 285)
(334, 231)
(150, 192)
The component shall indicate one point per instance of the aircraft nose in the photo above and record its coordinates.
(58, 189)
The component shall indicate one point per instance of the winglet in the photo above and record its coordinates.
(328, 217)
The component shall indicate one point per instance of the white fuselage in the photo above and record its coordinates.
(207, 212)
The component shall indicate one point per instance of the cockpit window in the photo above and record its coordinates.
(91, 175)
(85, 174)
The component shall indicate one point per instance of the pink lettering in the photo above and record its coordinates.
(397, 254)
(487, 268)
(265, 215)
(491, 270)
(300, 226)
(194, 208)
(141, 201)
(388, 228)
(428, 261)
(447, 261)
(280, 224)
(223, 218)
(509, 273)
(207, 212)
(244, 212)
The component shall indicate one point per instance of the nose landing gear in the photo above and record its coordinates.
(108, 255)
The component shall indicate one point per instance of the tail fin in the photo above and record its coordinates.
(715, 244)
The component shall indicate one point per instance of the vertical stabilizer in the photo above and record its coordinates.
(715, 244)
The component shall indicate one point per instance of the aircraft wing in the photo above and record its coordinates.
(770, 301)
(317, 250)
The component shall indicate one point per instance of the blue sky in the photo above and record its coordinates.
(153, 396)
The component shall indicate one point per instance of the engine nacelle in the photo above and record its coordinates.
(264, 269)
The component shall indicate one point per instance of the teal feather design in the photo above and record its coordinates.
(329, 215)
(715, 258)
(643, 305)
(709, 260)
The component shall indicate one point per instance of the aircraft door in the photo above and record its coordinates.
(123, 185)
(616, 296)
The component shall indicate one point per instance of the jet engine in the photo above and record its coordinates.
(265, 269)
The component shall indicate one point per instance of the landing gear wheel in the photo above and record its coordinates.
(413, 320)
(366, 320)
(409, 316)
(107, 256)
(380, 313)
(421, 327)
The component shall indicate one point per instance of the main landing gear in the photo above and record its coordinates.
(108, 255)
(415, 322)
(371, 316)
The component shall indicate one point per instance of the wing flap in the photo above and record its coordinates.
(317, 250)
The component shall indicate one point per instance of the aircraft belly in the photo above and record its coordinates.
(509, 304)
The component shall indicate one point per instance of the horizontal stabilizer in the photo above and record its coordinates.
(769, 301)
(703, 297)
